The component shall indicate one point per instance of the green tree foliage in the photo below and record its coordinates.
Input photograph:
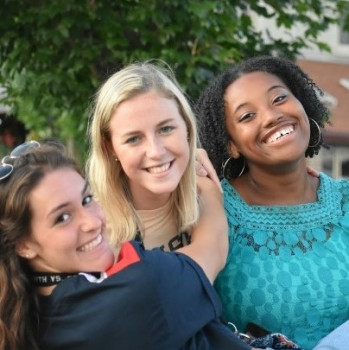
(55, 53)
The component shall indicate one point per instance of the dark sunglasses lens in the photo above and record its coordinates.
(23, 148)
(5, 170)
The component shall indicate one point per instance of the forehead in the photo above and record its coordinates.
(260, 81)
(145, 99)
(56, 187)
(145, 108)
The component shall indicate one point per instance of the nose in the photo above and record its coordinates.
(271, 116)
(91, 219)
(155, 147)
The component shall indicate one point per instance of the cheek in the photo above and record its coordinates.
(232, 129)
(99, 212)
(305, 116)
(183, 138)
(184, 158)
(125, 155)
(307, 124)
(240, 135)
(113, 147)
(301, 111)
(129, 160)
(181, 146)
(38, 236)
(131, 165)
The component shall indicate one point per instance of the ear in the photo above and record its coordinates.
(233, 150)
(25, 249)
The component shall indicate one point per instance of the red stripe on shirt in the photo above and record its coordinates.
(127, 256)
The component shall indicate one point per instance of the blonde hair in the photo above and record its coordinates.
(106, 176)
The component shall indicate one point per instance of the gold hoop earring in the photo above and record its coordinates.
(224, 165)
(319, 133)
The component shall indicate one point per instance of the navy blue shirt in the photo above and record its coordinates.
(151, 300)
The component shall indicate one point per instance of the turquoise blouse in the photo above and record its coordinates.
(288, 266)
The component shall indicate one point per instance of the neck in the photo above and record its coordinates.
(150, 202)
(46, 282)
(277, 186)
(45, 290)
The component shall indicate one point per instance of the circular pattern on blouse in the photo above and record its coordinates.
(288, 265)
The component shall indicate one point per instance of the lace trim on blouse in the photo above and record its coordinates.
(287, 227)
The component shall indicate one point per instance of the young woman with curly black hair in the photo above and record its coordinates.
(287, 268)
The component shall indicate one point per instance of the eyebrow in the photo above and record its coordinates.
(273, 87)
(63, 205)
(134, 132)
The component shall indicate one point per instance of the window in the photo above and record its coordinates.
(343, 35)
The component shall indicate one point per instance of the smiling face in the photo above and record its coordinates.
(67, 227)
(267, 124)
(149, 138)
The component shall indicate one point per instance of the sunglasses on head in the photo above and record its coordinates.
(7, 169)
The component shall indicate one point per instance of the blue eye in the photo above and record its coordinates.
(166, 129)
(133, 140)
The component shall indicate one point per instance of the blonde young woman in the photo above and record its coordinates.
(142, 157)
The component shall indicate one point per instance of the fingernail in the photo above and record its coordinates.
(202, 172)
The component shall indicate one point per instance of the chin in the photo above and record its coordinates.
(103, 266)
(165, 190)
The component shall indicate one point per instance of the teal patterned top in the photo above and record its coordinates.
(288, 266)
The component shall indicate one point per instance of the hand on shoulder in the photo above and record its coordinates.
(205, 168)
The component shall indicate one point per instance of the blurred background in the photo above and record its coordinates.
(55, 54)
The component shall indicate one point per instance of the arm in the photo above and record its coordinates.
(209, 239)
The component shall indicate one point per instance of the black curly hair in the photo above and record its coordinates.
(211, 114)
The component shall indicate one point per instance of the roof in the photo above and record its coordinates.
(333, 79)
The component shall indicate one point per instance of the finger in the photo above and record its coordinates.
(311, 171)
(205, 162)
(200, 170)
(211, 173)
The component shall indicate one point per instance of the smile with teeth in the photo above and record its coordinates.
(276, 136)
(90, 245)
(159, 169)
